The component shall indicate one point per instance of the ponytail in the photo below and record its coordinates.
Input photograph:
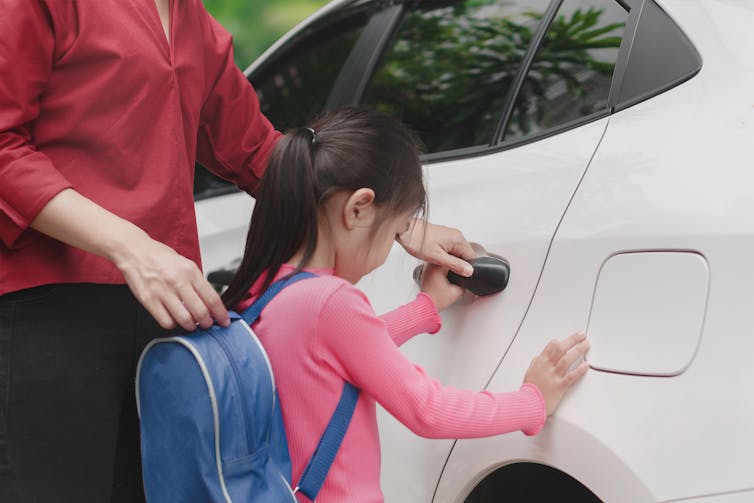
(284, 217)
(345, 150)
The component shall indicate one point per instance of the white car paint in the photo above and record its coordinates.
(648, 312)
(671, 174)
(223, 222)
(485, 197)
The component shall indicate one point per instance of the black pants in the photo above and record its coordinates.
(69, 430)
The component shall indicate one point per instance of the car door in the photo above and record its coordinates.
(511, 102)
(510, 99)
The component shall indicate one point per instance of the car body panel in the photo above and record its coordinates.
(672, 173)
(223, 222)
(511, 203)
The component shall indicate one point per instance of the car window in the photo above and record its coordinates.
(571, 73)
(294, 87)
(207, 184)
(449, 68)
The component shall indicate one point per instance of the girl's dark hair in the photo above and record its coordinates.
(348, 149)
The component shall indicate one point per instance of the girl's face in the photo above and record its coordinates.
(383, 236)
(364, 241)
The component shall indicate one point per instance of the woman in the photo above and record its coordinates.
(104, 108)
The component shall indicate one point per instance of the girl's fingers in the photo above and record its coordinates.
(457, 265)
(571, 356)
(576, 373)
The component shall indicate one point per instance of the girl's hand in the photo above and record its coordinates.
(551, 371)
(439, 245)
(434, 282)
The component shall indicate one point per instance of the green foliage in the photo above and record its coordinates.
(256, 24)
(570, 50)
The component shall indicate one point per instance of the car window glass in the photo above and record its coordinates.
(207, 184)
(572, 71)
(293, 88)
(449, 68)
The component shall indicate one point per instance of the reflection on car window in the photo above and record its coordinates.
(450, 67)
(571, 74)
(294, 88)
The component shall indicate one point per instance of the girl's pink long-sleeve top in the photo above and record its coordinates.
(321, 332)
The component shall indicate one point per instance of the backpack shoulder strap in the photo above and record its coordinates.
(324, 455)
(251, 314)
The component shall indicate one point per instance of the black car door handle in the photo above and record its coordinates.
(491, 275)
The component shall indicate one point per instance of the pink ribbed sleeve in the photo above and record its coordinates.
(357, 344)
(417, 317)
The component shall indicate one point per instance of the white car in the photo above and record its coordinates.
(605, 149)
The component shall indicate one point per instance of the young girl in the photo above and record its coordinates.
(333, 200)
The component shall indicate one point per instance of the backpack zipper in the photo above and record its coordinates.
(237, 373)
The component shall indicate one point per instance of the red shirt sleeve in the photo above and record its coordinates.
(28, 179)
(355, 342)
(235, 139)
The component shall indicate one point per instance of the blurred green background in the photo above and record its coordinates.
(256, 24)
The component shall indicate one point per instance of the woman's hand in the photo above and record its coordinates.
(434, 282)
(170, 286)
(551, 371)
(439, 245)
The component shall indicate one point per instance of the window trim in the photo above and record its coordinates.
(470, 152)
(523, 70)
(358, 69)
(620, 66)
(498, 144)
(638, 59)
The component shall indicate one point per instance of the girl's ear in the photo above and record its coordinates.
(359, 210)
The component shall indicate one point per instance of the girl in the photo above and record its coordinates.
(333, 200)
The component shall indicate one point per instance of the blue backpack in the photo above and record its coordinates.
(211, 425)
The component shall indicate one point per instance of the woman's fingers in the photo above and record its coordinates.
(211, 300)
(160, 314)
(196, 307)
(171, 287)
(179, 312)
